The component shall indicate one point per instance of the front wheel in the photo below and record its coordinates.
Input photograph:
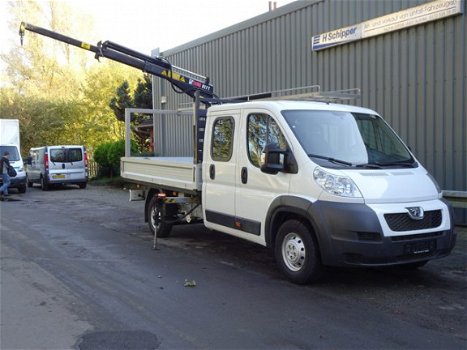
(155, 220)
(297, 252)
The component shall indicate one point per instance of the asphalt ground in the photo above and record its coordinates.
(78, 271)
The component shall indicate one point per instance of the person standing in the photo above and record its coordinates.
(4, 165)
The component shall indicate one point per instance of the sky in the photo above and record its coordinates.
(144, 25)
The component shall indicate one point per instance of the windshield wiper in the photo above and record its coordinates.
(378, 165)
(368, 166)
(330, 159)
(401, 164)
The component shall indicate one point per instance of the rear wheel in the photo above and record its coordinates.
(297, 252)
(44, 184)
(155, 221)
(82, 185)
(22, 189)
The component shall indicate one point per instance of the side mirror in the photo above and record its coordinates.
(272, 159)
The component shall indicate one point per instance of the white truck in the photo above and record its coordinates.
(10, 142)
(318, 183)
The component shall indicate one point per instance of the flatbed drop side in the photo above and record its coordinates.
(176, 173)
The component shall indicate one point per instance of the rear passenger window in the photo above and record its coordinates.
(75, 155)
(57, 155)
(222, 139)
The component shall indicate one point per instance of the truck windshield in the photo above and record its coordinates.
(343, 139)
(14, 155)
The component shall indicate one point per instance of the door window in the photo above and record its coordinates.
(262, 130)
(222, 139)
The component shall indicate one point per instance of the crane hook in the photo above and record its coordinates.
(22, 30)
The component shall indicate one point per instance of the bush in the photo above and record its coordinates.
(115, 152)
(100, 157)
(107, 156)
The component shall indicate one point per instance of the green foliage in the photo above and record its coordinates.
(101, 154)
(107, 155)
(142, 95)
(121, 101)
(58, 92)
(116, 151)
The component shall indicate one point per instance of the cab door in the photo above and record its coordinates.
(256, 190)
(219, 171)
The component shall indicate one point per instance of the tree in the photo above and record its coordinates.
(121, 101)
(59, 93)
(141, 98)
(142, 95)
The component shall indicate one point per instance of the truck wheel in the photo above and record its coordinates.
(154, 222)
(22, 189)
(44, 185)
(82, 185)
(297, 252)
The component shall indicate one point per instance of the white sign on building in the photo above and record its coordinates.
(394, 21)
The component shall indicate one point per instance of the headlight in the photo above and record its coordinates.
(337, 185)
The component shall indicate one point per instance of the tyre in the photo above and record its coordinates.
(44, 184)
(297, 252)
(154, 220)
(82, 185)
(22, 189)
(30, 184)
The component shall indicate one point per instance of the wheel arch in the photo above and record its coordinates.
(285, 208)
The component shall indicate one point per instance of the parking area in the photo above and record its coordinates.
(88, 251)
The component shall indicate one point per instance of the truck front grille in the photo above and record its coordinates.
(403, 222)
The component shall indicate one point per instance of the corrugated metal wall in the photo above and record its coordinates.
(415, 77)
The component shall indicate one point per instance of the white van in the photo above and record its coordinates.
(19, 181)
(57, 165)
(10, 142)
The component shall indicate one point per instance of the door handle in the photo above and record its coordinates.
(212, 171)
(63, 166)
(244, 175)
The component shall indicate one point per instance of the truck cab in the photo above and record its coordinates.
(321, 184)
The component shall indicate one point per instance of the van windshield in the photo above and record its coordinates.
(66, 155)
(14, 155)
(346, 139)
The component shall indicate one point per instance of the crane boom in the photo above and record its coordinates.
(187, 82)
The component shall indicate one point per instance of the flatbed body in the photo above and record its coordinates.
(173, 173)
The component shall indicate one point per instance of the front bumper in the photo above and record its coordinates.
(354, 234)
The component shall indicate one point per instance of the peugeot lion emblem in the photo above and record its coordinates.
(416, 213)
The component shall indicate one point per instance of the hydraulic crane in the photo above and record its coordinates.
(182, 80)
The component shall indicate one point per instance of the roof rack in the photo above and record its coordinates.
(309, 93)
